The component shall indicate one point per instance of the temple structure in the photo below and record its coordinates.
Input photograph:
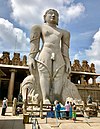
(13, 71)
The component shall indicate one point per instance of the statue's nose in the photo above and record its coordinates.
(53, 15)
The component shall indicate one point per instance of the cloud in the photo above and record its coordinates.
(11, 38)
(31, 12)
(93, 52)
(72, 12)
(87, 34)
(68, 2)
(77, 56)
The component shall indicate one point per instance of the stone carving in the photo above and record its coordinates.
(16, 59)
(52, 65)
(76, 66)
(32, 85)
(33, 98)
(85, 66)
(5, 58)
(92, 68)
(24, 61)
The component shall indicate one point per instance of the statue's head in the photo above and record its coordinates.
(51, 16)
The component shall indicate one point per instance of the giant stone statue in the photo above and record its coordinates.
(50, 66)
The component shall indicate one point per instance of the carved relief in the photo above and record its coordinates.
(5, 59)
(85, 66)
(24, 61)
(16, 59)
(76, 66)
(92, 68)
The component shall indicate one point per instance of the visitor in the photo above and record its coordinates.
(89, 99)
(57, 110)
(4, 106)
(20, 99)
(74, 112)
(67, 107)
(70, 111)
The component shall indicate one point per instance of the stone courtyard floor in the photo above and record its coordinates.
(16, 122)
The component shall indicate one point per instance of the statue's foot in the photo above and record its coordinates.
(46, 101)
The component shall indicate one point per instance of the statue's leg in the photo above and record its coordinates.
(44, 82)
(58, 82)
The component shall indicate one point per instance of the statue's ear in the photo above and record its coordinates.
(44, 18)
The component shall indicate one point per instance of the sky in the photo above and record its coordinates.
(80, 17)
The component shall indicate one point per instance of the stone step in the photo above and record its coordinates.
(45, 126)
(74, 126)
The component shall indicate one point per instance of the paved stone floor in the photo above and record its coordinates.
(16, 122)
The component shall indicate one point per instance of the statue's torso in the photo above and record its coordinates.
(51, 44)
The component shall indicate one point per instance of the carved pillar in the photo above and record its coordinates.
(11, 84)
(94, 80)
(82, 79)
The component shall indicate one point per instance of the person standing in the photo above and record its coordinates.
(57, 110)
(4, 106)
(89, 99)
(67, 106)
(74, 112)
(70, 111)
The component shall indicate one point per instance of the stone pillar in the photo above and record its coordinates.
(94, 80)
(11, 84)
(82, 79)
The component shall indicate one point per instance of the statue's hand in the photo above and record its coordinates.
(32, 65)
(68, 67)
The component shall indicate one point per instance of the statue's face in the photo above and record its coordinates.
(51, 17)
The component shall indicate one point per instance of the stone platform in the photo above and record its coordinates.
(16, 122)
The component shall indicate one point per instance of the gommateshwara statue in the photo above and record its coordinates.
(50, 66)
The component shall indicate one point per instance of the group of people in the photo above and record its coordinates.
(69, 108)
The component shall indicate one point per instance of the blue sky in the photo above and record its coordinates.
(80, 17)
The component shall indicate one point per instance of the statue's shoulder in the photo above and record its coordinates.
(35, 32)
(36, 28)
(66, 33)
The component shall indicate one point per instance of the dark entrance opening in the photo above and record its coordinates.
(4, 89)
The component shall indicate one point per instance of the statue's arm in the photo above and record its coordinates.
(65, 43)
(34, 45)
